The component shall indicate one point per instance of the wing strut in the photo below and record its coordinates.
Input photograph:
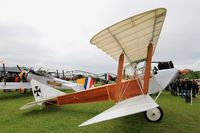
(148, 68)
(119, 78)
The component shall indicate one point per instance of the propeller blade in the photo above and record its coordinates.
(19, 68)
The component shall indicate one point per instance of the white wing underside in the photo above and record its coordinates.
(131, 36)
(127, 107)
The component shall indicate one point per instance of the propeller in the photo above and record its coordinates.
(19, 68)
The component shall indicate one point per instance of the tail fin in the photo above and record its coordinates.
(89, 83)
(42, 93)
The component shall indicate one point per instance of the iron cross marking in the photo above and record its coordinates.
(37, 91)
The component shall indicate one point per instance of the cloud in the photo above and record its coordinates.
(57, 36)
(21, 44)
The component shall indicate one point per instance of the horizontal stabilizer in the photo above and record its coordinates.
(15, 85)
(127, 107)
(32, 104)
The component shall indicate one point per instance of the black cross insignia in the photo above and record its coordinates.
(37, 91)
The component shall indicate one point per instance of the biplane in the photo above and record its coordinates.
(131, 41)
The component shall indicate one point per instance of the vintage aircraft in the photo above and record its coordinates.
(132, 40)
(45, 79)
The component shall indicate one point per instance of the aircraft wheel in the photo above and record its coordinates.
(22, 91)
(154, 115)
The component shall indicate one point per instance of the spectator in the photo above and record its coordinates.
(174, 88)
(182, 87)
(195, 88)
(179, 82)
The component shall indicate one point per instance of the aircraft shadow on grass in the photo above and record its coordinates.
(73, 111)
(58, 109)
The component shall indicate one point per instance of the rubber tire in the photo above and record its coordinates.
(156, 120)
(22, 91)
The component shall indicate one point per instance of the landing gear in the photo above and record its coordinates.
(154, 115)
(22, 91)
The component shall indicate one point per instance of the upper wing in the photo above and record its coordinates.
(132, 36)
(15, 85)
(127, 107)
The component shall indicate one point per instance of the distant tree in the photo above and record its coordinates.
(192, 75)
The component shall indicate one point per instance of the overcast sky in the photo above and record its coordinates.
(56, 34)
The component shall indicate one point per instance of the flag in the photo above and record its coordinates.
(107, 76)
(89, 83)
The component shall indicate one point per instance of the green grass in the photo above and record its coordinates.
(179, 117)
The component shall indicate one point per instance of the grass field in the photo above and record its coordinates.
(179, 117)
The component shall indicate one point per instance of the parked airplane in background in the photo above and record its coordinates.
(45, 79)
(132, 41)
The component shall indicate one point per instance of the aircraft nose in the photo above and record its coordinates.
(175, 74)
(165, 77)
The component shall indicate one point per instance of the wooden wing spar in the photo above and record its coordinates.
(132, 36)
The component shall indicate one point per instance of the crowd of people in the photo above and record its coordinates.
(183, 87)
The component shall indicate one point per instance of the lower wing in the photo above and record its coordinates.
(130, 106)
(15, 85)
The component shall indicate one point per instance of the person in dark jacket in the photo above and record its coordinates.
(174, 88)
(195, 88)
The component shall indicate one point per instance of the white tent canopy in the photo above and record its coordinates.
(132, 36)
